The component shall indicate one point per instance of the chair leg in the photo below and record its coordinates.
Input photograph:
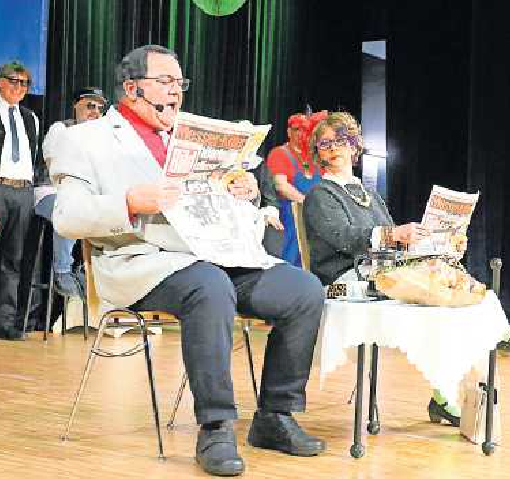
(246, 334)
(64, 315)
(49, 306)
(32, 277)
(85, 319)
(85, 377)
(150, 373)
(171, 422)
(29, 303)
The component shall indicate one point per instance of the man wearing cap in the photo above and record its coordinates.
(89, 104)
(19, 132)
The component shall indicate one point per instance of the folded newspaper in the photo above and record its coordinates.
(447, 216)
(211, 223)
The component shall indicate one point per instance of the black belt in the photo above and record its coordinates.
(15, 183)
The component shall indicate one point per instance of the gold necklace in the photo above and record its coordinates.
(364, 201)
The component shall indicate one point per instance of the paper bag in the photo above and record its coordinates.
(474, 409)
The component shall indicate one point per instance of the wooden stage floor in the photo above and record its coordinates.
(114, 435)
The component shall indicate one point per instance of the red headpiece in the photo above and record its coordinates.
(297, 120)
(312, 121)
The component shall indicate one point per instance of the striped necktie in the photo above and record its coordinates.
(14, 135)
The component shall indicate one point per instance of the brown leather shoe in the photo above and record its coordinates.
(281, 432)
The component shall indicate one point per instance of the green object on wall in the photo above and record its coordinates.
(219, 8)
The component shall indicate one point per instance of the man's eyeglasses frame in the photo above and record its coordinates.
(182, 83)
(17, 81)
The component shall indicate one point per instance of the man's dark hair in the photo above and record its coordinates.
(134, 66)
(14, 68)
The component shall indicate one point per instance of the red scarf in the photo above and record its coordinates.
(147, 133)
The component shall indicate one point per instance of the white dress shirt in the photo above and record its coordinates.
(22, 169)
(50, 143)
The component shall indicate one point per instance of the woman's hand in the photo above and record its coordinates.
(410, 233)
(459, 242)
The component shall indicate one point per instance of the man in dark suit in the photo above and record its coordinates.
(19, 133)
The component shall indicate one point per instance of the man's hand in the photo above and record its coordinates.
(244, 187)
(410, 233)
(153, 198)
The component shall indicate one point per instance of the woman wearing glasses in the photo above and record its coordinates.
(343, 218)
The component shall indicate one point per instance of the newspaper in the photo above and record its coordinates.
(215, 226)
(447, 216)
(201, 147)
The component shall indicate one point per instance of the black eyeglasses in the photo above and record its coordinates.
(95, 106)
(182, 83)
(18, 81)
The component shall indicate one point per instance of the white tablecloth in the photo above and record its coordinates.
(443, 343)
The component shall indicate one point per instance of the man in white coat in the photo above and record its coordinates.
(108, 172)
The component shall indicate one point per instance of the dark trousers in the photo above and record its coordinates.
(206, 297)
(16, 207)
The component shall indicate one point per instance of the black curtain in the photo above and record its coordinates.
(447, 98)
(86, 39)
(263, 63)
(489, 142)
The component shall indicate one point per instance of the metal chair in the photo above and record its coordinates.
(142, 320)
(50, 287)
(246, 324)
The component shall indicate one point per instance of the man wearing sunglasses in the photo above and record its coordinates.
(19, 132)
(89, 104)
(109, 171)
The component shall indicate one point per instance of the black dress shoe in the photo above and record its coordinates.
(281, 432)
(438, 411)
(11, 333)
(217, 451)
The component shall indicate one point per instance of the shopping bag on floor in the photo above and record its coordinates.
(474, 409)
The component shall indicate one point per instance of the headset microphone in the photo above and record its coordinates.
(141, 94)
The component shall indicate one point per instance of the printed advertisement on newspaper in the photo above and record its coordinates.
(447, 215)
(202, 148)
